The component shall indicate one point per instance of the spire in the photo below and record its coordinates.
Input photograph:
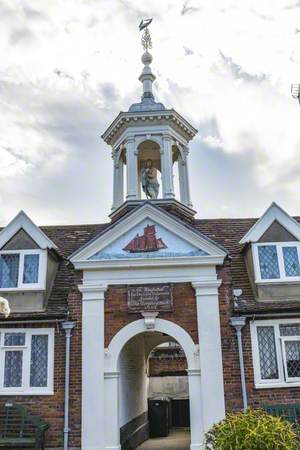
(147, 77)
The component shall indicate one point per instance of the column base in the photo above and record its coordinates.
(118, 447)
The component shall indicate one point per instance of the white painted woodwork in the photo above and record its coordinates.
(208, 318)
(93, 415)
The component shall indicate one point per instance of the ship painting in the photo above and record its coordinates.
(147, 242)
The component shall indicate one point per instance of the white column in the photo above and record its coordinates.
(196, 409)
(186, 178)
(118, 182)
(211, 366)
(93, 425)
(132, 170)
(167, 168)
(112, 425)
(182, 188)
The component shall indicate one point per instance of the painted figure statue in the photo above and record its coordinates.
(150, 184)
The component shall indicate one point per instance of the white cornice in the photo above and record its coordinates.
(147, 262)
(128, 118)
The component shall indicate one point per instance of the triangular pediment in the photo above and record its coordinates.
(273, 222)
(148, 239)
(148, 233)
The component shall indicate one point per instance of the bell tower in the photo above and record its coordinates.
(147, 141)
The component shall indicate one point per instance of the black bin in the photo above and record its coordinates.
(159, 416)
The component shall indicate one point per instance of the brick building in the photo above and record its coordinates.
(226, 290)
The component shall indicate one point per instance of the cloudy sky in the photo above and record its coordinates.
(68, 67)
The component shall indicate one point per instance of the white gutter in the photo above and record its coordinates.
(67, 327)
(238, 323)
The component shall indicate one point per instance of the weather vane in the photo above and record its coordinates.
(146, 38)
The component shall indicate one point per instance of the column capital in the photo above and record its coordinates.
(92, 292)
(167, 137)
(129, 140)
(206, 287)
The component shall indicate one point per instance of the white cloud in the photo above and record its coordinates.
(66, 71)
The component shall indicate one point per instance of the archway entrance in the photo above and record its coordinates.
(127, 385)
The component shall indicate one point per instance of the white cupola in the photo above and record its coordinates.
(148, 140)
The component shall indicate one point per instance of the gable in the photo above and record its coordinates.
(148, 239)
(273, 214)
(277, 233)
(23, 222)
(126, 240)
(20, 241)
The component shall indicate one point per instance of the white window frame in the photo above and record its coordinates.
(26, 389)
(282, 276)
(283, 380)
(41, 284)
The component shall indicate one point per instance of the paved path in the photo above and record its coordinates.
(177, 440)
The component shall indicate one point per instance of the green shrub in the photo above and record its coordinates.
(252, 430)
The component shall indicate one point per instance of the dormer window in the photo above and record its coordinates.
(277, 261)
(22, 269)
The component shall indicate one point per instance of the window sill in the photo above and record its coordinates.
(278, 281)
(28, 393)
(277, 385)
(23, 289)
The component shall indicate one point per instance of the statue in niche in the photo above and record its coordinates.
(150, 184)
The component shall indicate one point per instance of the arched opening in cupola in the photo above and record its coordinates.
(149, 166)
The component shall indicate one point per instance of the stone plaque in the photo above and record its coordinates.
(151, 297)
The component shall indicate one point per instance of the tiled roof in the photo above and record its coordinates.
(226, 232)
(68, 239)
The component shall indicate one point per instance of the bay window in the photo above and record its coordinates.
(276, 262)
(276, 352)
(26, 361)
(22, 269)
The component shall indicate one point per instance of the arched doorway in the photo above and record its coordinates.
(141, 337)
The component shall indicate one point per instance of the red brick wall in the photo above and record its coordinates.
(51, 407)
(258, 397)
(160, 366)
(231, 367)
(184, 314)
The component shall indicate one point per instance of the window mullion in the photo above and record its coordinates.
(26, 362)
(281, 261)
(21, 268)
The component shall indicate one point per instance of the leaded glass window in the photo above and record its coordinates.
(292, 352)
(267, 352)
(26, 361)
(31, 269)
(268, 262)
(14, 339)
(290, 329)
(13, 368)
(39, 360)
(9, 270)
(291, 261)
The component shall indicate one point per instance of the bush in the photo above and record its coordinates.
(252, 430)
